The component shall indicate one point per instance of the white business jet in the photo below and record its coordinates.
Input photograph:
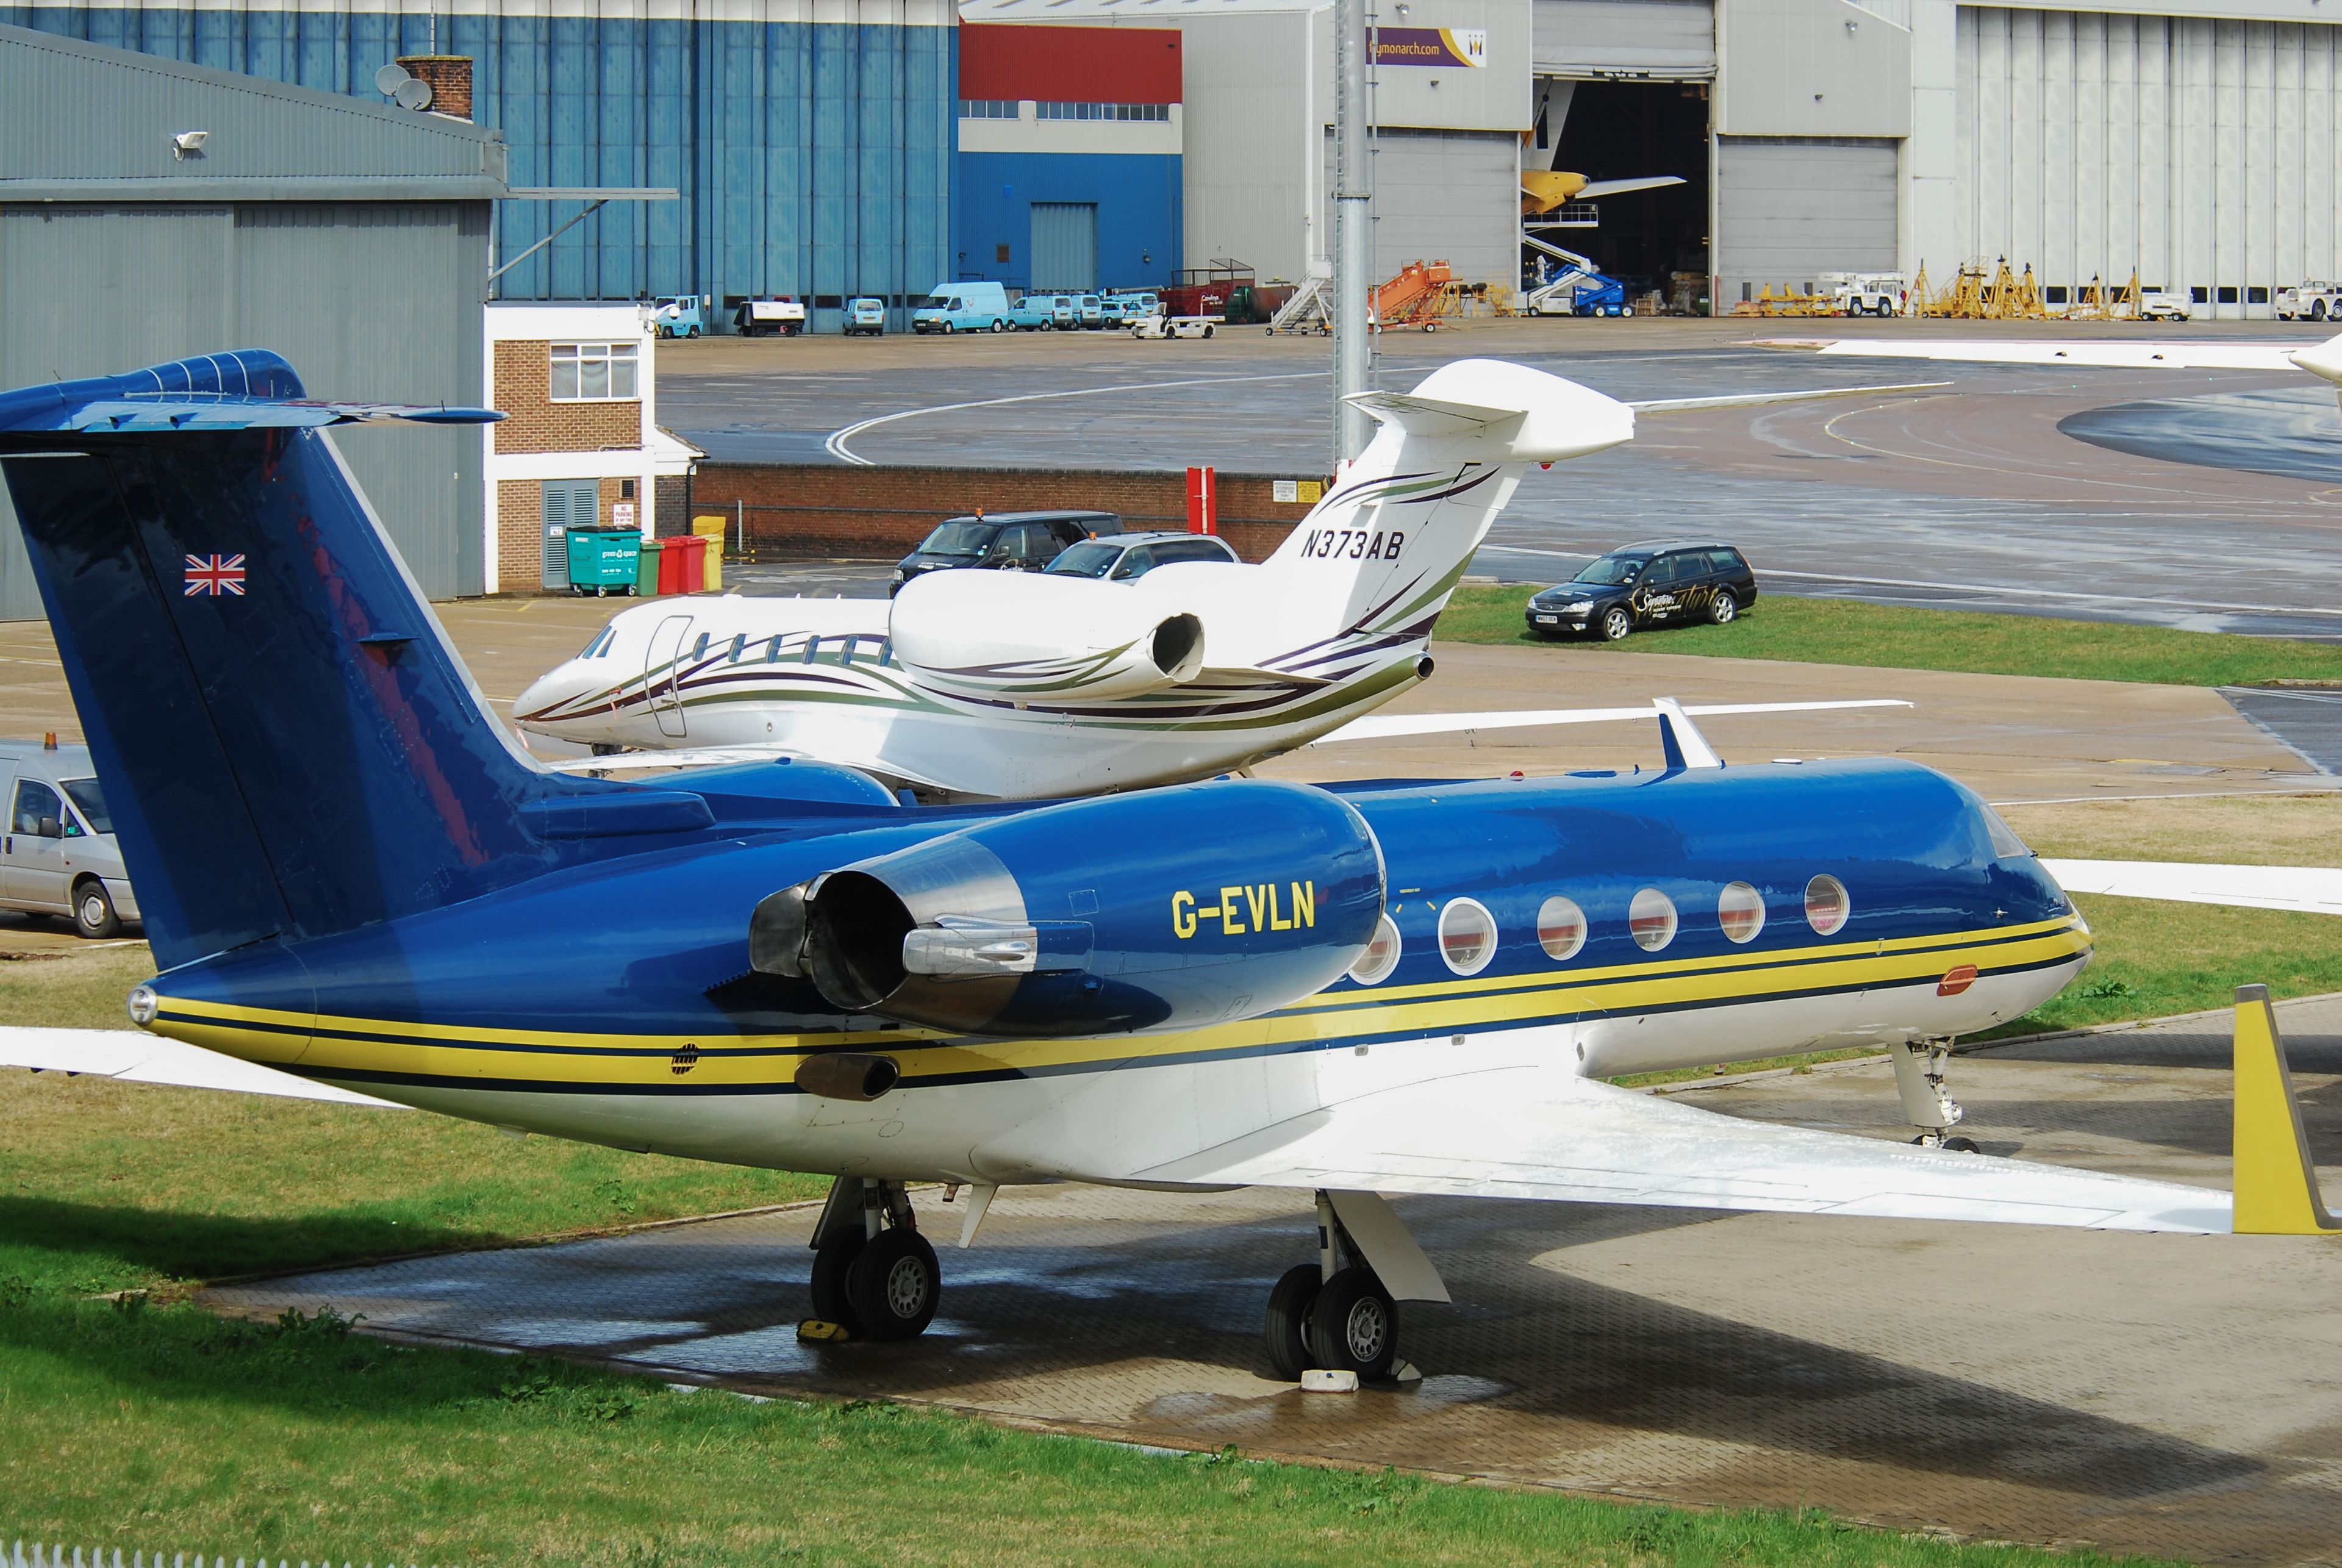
(1006, 686)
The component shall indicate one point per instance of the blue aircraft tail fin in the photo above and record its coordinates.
(288, 745)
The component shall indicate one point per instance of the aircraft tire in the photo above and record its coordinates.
(1289, 1301)
(1617, 622)
(894, 1285)
(831, 1262)
(93, 914)
(1354, 1325)
(1961, 1146)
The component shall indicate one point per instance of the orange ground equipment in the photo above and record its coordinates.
(1416, 298)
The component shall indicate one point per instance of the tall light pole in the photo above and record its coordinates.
(1353, 349)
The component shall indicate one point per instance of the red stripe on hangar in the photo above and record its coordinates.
(1070, 64)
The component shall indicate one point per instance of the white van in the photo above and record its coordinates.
(59, 854)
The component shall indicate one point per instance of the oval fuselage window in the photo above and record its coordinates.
(1467, 936)
(1561, 928)
(1651, 919)
(1826, 905)
(1381, 955)
(1740, 910)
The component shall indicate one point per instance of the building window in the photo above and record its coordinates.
(988, 108)
(1156, 111)
(2228, 293)
(1000, 254)
(594, 372)
(2256, 296)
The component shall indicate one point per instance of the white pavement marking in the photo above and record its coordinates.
(836, 442)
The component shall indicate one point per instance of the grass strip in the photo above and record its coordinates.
(1883, 636)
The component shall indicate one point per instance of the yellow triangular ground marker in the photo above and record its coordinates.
(2277, 1186)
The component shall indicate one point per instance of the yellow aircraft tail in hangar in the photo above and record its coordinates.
(1547, 190)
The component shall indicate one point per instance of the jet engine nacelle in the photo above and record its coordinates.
(1026, 637)
(1172, 909)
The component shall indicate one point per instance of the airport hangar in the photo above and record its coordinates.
(822, 150)
(151, 210)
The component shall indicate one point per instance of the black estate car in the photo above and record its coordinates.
(1660, 583)
(1006, 541)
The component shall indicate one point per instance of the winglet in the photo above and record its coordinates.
(2277, 1186)
(1680, 739)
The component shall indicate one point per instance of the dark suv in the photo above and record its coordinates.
(1006, 541)
(1665, 583)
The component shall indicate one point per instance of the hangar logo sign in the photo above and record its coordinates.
(1431, 46)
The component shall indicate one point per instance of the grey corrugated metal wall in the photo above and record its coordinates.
(376, 300)
(1445, 195)
(1065, 246)
(1791, 208)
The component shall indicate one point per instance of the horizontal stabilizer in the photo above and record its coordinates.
(249, 389)
(1532, 1133)
(1502, 413)
(1597, 189)
(2315, 889)
(1388, 726)
(131, 1057)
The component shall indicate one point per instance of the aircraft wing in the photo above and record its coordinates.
(133, 1057)
(1386, 726)
(1532, 1133)
(2315, 889)
(2104, 354)
(1756, 399)
(680, 757)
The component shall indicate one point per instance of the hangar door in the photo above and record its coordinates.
(1445, 195)
(1065, 246)
(1791, 208)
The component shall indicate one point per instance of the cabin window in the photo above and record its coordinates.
(1651, 919)
(1467, 936)
(740, 645)
(1740, 910)
(1826, 905)
(699, 649)
(773, 652)
(1561, 928)
(1381, 956)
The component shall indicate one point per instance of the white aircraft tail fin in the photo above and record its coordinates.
(1382, 551)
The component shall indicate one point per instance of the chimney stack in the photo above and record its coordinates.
(449, 77)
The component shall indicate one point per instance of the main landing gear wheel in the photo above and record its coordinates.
(1288, 1315)
(831, 1261)
(1615, 623)
(1724, 609)
(1353, 1325)
(1951, 1145)
(894, 1285)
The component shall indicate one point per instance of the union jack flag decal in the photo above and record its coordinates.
(215, 574)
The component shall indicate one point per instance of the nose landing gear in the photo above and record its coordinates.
(1920, 1081)
(873, 1275)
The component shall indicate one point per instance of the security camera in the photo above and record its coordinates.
(189, 143)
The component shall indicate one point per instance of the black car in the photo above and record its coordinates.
(1006, 541)
(1664, 583)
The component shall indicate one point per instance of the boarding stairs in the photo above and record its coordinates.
(1558, 294)
(1309, 310)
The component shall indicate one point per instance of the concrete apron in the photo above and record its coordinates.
(2168, 1395)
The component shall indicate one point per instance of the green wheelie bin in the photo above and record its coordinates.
(604, 560)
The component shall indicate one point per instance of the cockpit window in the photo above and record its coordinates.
(2005, 845)
(601, 644)
(1613, 571)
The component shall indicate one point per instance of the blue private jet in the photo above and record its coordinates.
(350, 873)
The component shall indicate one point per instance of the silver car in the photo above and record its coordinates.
(58, 855)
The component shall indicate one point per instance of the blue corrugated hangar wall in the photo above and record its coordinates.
(813, 157)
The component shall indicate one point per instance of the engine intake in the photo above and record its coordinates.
(1172, 909)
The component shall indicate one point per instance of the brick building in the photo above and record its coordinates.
(580, 441)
